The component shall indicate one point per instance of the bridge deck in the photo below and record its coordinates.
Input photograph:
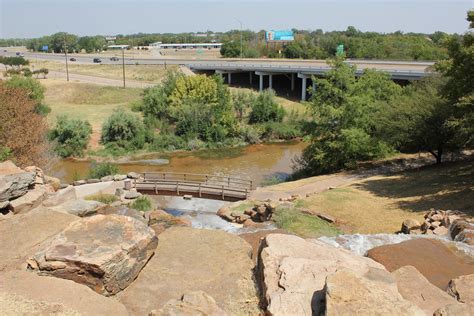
(200, 185)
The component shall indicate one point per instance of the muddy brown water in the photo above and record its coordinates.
(255, 162)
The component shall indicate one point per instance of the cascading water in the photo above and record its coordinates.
(360, 244)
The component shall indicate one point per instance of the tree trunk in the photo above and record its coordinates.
(438, 155)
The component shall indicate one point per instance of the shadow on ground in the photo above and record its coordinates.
(447, 186)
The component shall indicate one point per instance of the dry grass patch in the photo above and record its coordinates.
(379, 204)
(143, 73)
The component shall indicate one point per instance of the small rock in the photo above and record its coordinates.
(15, 185)
(440, 231)
(118, 192)
(93, 180)
(79, 182)
(225, 213)
(133, 175)
(437, 217)
(131, 195)
(4, 204)
(435, 224)
(107, 178)
(120, 177)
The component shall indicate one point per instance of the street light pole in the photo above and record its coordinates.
(123, 65)
(65, 54)
(241, 38)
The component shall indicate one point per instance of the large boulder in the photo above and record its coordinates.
(159, 220)
(456, 310)
(462, 288)
(189, 260)
(373, 293)
(31, 199)
(15, 185)
(21, 235)
(291, 272)
(25, 293)
(124, 211)
(414, 287)
(8, 167)
(61, 196)
(79, 207)
(193, 303)
(104, 252)
(433, 258)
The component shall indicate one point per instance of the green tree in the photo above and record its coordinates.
(230, 49)
(345, 111)
(124, 130)
(70, 136)
(266, 109)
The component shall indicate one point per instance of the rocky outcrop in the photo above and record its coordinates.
(79, 207)
(159, 220)
(455, 310)
(15, 185)
(33, 198)
(260, 212)
(414, 287)
(462, 288)
(61, 196)
(433, 258)
(372, 293)
(193, 303)
(122, 210)
(104, 252)
(410, 225)
(189, 260)
(21, 235)
(292, 271)
(462, 230)
(25, 293)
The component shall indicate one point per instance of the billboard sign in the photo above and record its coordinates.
(45, 48)
(282, 36)
(110, 38)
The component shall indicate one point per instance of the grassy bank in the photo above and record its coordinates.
(379, 204)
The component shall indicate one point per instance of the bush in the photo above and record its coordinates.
(278, 130)
(5, 153)
(71, 136)
(124, 129)
(102, 198)
(266, 109)
(167, 142)
(42, 109)
(250, 134)
(142, 204)
(99, 170)
(33, 88)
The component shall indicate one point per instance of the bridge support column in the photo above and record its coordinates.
(292, 82)
(261, 83)
(251, 78)
(270, 81)
(303, 89)
(229, 78)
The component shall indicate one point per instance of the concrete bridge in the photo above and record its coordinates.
(305, 69)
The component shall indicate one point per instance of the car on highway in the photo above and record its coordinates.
(72, 59)
(20, 54)
(114, 59)
(97, 60)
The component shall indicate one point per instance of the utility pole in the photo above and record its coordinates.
(123, 65)
(241, 39)
(65, 54)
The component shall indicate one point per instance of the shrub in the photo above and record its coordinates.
(71, 136)
(5, 153)
(250, 134)
(99, 170)
(124, 129)
(42, 109)
(278, 130)
(142, 204)
(266, 109)
(102, 198)
(167, 142)
(33, 88)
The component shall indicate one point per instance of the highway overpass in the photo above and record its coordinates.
(264, 69)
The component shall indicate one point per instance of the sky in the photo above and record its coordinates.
(34, 18)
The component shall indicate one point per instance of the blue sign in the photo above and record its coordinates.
(45, 48)
(286, 36)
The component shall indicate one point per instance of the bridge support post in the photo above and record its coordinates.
(251, 78)
(303, 89)
(270, 81)
(261, 83)
(229, 78)
(292, 82)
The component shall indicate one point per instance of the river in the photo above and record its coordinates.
(255, 162)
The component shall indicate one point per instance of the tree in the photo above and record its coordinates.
(124, 130)
(266, 109)
(71, 136)
(242, 101)
(345, 111)
(32, 87)
(230, 49)
(22, 130)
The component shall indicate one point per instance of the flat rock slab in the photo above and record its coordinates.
(291, 272)
(414, 287)
(189, 260)
(193, 303)
(25, 293)
(15, 185)
(104, 252)
(373, 293)
(79, 207)
(433, 258)
(21, 235)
